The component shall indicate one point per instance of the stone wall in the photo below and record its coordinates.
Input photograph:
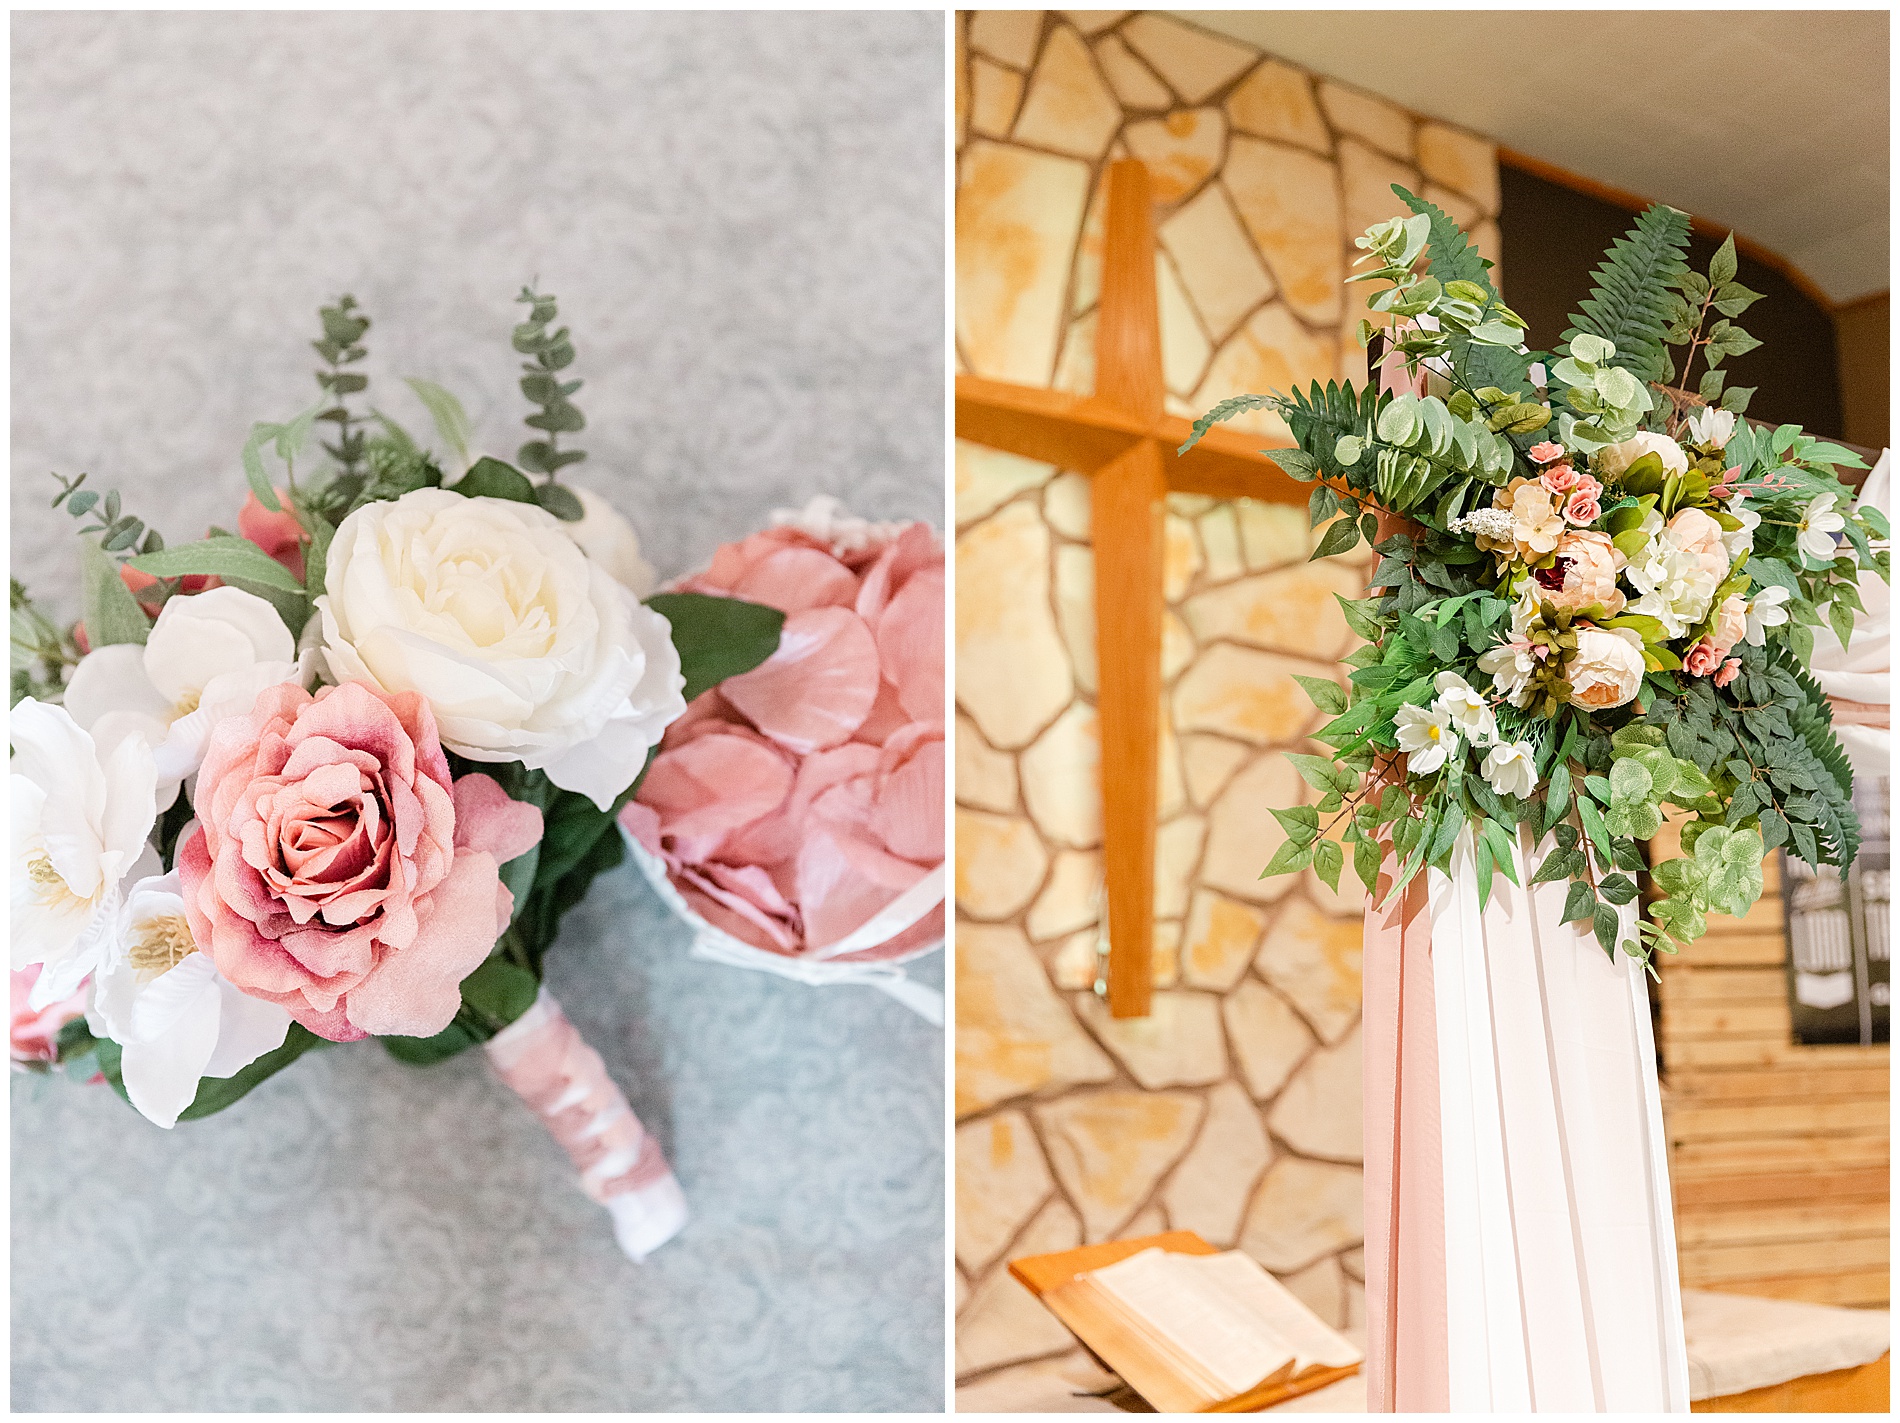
(1234, 1109)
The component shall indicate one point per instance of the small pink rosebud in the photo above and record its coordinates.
(1583, 509)
(1546, 452)
(1728, 672)
(1560, 479)
(1703, 659)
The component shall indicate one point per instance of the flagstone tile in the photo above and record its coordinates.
(1457, 206)
(963, 1290)
(1086, 284)
(987, 479)
(1070, 900)
(1110, 1146)
(1303, 1211)
(1069, 107)
(1181, 557)
(1272, 535)
(1209, 1190)
(1314, 959)
(1268, 1038)
(1184, 346)
(1353, 1262)
(1460, 160)
(1180, 150)
(1065, 504)
(986, 778)
(1243, 837)
(1062, 776)
(1349, 900)
(995, 93)
(1134, 83)
(1017, 217)
(1249, 695)
(1002, 1180)
(1271, 352)
(1313, 1112)
(1177, 847)
(1384, 125)
(1220, 543)
(1293, 610)
(1177, 1045)
(1321, 1288)
(1014, 1035)
(1177, 645)
(1074, 964)
(1152, 1221)
(1003, 1322)
(1366, 177)
(1093, 22)
(1207, 762)
(1220, 269)
(1222, 935)
(1276, 101)
(1355, 1307)
(1171, 786)
(1008, 35)
(1000, 863)
(1165, 961)
(1075, 367)
(1194, 63)
(1012, 672)
(1289, 200)
(962, 80)
(1075, 609)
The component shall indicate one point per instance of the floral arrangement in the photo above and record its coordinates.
(1597, 596)
(799, 807)
(339, 775)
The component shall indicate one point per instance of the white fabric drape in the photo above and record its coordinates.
(1560, 1253)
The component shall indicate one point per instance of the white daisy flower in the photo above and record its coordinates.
(1427, 738)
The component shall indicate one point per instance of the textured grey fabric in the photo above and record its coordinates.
(743, 218)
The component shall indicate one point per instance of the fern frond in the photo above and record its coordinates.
(1227, 410)
(1628, 304)
(1455, 259)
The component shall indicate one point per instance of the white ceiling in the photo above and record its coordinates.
(1772, 122)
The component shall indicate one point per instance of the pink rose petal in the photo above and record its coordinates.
(910, 644)
(794, 579)
(817, 689)
(714, 784)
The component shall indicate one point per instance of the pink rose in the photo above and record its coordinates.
(1586, 485)
(337, 871)
(1728, 673)
(1583, 509)
(1559, 478)
(1729, 623)
(1545, 452)
(36, 1032)
(1703, 659)
(279, 534)
(1583, 574)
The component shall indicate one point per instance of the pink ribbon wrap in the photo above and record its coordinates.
(542, 1058)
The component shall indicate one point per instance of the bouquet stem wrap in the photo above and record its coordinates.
(542, 1057)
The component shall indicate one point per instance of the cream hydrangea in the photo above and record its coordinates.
(524, 649)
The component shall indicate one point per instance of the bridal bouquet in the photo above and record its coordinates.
(338, 775)
(1598, 592)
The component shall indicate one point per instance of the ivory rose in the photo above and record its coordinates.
(1583, 575)
(1605, 670)
(335, 869)
(1612, 460)
(525, 650)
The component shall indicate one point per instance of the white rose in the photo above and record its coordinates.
(1612, 460)
(524, 650)
(608, 539)
(1510, 768)
(208, 656)
(82, 807)
(176, 1016)
(1604, 671)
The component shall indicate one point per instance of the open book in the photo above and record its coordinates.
(1190, 1329)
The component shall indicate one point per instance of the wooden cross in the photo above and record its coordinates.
(1121, 438)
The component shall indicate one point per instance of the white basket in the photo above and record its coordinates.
(715, 945)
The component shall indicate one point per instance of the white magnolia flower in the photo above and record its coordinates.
(208, 656)
(82, 806)
(1510, 666)
(1740, 541)
(1676, 585)
(608, 539)
(1765, 611)
(1470, 714)
(524, 649)
(1510, 768)
(1818, 526)
(1711, 428)
(176, 1016)
(1427, 738)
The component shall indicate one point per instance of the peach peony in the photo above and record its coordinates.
(1696, 533)
(1583, 575)
(1605, 671)
(1730, 623)
(337, 871)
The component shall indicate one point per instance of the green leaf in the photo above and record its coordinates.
(1617, 888)
(1300, 822)
(559, 501)
(1328, 860)
(226, 556)
(1629, 299)
(1290, 858)
(425, 1052)
(1340, 535)
(1362, 625)
(490, 478)
(500, 991)
(1593, 827)
(1722, 265)
(1606, 925)
(1320, 772)
(112, 614)
(1325, 694)
(1366, 859)
(1580, 903)
(717, 638)
(217, 1093)
(262, 433)
(451, 420)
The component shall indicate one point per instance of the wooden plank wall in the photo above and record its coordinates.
(1778, 1152)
